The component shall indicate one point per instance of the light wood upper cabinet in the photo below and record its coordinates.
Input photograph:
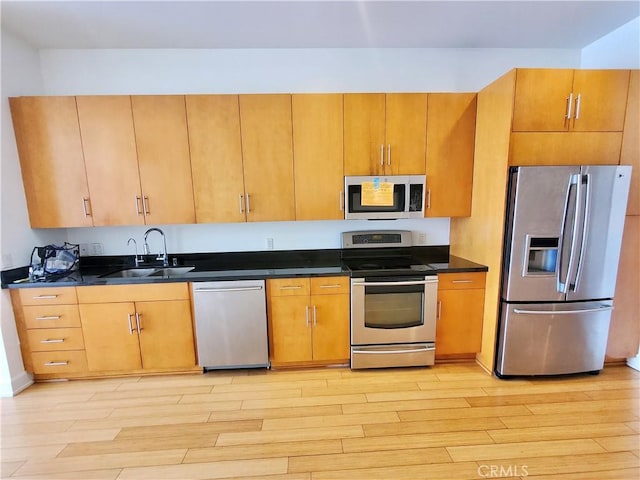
(630, 154)
(385, 134)
(268, 157)
(162, 140)
(317, 156)
(557, 100)
(451, 122)
(216, 158)
(111, 160)
(52, 163)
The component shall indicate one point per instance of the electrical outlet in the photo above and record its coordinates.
(422, 238)
(269, 243)
(97, 249)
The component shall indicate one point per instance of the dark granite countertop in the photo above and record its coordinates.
(230, 266)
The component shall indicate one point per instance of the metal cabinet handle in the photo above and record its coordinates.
(130, 324)
(56, 364)
(569, 106)
(315, 316)
(241, 202)
(248, 201)
(389, 154)
(53, 340)
(86, 207)
(138, 204)
(49, 317)
(335, 285)
(560, 312)
(231, 289)
(306, 314)
(145, 205)
(392, 352)
(291, 287)
(439, 314)
(462, 281)
(578, 99)
(45, 297)
(429, 198)
(138, 322)
(341, 201)
(381, 155)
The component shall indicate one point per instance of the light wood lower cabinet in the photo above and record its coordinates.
(132, 329)
(308, 320)
(460, 312)
(50, 333)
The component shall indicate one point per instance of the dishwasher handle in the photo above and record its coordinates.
(228, 289)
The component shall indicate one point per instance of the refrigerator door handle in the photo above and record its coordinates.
(563, 279)
(584, 218)
(560, 312)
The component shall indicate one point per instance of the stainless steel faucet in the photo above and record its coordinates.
(163, 255)
(137, 259)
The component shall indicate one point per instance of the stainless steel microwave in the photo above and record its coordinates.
(406, 200)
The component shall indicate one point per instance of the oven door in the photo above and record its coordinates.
(386, 310)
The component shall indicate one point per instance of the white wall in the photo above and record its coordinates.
(618, 49)
(20, 76)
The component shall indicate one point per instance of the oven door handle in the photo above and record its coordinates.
(391, 352)
(393, 284)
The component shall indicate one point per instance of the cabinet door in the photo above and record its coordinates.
(542, 100)
(216, 157)
(52, 163)
(109, 144)
(290, 324)
(459, 326)
(364, 133)
(406, 131)
(110, 336)
(602, 102)
(163, 158)
(268, 157)
(450, 146)
(317, 156)
(630, 154)
(166, 334)
(330, 319)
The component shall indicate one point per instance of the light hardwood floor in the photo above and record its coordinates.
(445, 422)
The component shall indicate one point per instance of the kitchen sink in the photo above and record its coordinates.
(164, 272)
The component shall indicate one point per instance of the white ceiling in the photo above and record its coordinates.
(314, 24)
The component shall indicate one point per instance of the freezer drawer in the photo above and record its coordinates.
(552, 338)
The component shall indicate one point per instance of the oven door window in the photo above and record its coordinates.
(355, 200)
(392, 307)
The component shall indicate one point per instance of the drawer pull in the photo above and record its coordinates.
(52, 340)
(331, 286)
(291, 287)
(56, 364)
(45, 297)
(49, 317)
(462, 281)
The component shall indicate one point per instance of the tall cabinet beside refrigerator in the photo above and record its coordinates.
(562, 244)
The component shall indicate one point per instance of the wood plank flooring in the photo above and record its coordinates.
(445, 422)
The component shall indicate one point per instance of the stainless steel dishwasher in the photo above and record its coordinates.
(231, 324)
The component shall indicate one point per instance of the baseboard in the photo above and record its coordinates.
(18, 384)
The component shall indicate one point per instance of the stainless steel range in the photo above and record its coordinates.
(393, 301)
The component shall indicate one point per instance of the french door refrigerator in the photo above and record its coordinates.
(561, 248)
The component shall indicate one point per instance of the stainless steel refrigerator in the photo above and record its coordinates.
(561, 248)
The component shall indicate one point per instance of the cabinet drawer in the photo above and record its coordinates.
(72, 361)
(48, 296)
(330, 285)
(51, 339)
(133, 293)
(461, 281)
(51, 316)
(286, 287)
